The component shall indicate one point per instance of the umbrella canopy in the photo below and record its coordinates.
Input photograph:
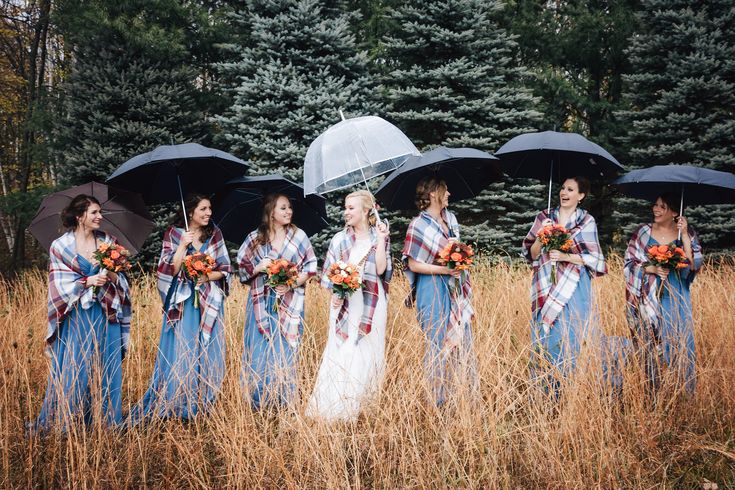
(466, 171)
(169, 171)
(239, 205)
(694, 185)
(556, 156)
(353, 151)
(124, 215)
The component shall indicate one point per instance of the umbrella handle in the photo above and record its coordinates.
(551, 175)
(183, 205)
(681, 209)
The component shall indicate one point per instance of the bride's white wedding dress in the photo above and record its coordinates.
(351, 372)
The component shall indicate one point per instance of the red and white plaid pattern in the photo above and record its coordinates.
(425, 238)
(296, 249)
(211, 294)
(640, 287)
(550, 299)
(339, 249)
(66, 288)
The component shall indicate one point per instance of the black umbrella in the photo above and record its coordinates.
(556, 156)
(696, 185)
(124, 215)
(164, 174)
(466, 171)
(239, 205)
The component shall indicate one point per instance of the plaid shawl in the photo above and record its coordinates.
(425, 238)
(550, 299)
(640, 288)
(296, 249)
(339, 249)
(211, 294)
(66, 288)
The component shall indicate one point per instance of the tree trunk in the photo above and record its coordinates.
(34, 81)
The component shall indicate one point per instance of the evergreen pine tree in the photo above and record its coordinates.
(577, 50)
(682, 95)
(130, 89)
(452, 78)
(299, 68)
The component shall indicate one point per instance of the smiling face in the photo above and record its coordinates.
(282, 212)
(201, 214)
(354, 213)
(569, 195)
(662, 213)
(91, 218)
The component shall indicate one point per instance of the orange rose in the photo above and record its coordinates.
(337, 279)
(114, 255)
(456, 256)
(198, 265)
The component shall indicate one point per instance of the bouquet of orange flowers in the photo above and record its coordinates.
(667, 256)
(345, 278)
(456, 255)
(198, 265)
(281, 271)
(111, 257)
(554, 237)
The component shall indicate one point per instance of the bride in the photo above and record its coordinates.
(354, 358)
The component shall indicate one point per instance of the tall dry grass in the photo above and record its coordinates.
(510, 438)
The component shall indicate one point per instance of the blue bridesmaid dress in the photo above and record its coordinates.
(676, 328)
(188, 372)
(269, 364)
(86, 367)
(559, 348)
(433, 306)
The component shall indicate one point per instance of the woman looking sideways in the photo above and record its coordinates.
(443, 296)
(354, 359)
(275, 321)
(190, 363)
(662, 325)
(88, 323)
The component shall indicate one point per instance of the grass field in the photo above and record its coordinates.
(509, 438)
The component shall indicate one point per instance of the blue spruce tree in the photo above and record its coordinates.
(131, 87)
(682, 94)
(452, 78)
(299, 66)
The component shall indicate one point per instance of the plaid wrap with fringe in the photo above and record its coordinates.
(296, 249)
(549, 299)
(640, 287)
(66, 288)
(211, 294)
(425, 238)
(339, 249)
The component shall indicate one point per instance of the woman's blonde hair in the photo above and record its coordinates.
(368, 202)
(425, 187)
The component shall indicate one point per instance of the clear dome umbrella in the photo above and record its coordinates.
(353, 151)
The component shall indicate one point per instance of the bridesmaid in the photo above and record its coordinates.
(191, 353)
(87, 331)
(353, 362)
(444, 311)
(562, 312)
(663, 326)
(272, 335)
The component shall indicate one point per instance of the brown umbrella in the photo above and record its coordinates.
(125, 215)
